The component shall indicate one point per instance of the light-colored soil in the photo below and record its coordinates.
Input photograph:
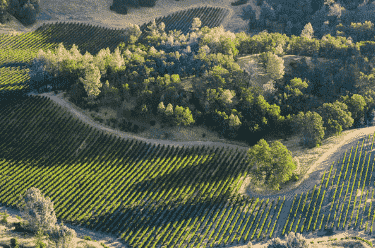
(98, 13)
(313, 162)
(6, 233)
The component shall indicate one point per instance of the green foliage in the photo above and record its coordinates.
(3, 5)
(87, 238)
(335, 115)
(296, 240)
(274, 65)
(303, 46)
(131, 34)
(183, 116)
(271, 165)
(14, 243)
(276, 243)
(356, 105)
(39, 240)
(169, 110)
(310, 125)
(63, 236)
(308, 31)
(358, 31)
(4, 220)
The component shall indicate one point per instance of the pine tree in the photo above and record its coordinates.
(169, 109)
(308, 31)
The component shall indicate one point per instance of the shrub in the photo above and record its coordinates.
(28, 14)
(296, 240)
(87, 238)
(276, 243)
(63, 236)
(4, 219)
(14, 243)
(37, 210)
(119, 7)
(38, 240)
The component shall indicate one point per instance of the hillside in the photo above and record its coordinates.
(111, 167)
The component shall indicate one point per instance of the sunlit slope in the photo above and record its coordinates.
(122, 186)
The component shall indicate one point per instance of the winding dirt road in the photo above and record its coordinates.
(334, 149)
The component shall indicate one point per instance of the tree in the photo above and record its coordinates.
(267, 12)
(3, 5)
(161, 108)
(169, 109)
(308, 31)
(333, 114)
(14, 7)
(254, 70)
(310, 125)
(37, 210)
(271, 165)
(183, 116)
(28, 14)
(131, 34)
(91, 81)
(195, 26)
(274, 65)
(293, 99)
(356, 105)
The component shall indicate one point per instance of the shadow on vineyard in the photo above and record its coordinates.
(87, 37)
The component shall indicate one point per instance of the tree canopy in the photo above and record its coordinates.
(271, 165)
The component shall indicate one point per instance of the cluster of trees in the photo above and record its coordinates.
(157, 70)
(180, 115)
(39, 213)
(85, 71)
(292, 16)
(25, 11)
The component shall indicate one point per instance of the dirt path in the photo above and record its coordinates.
(98, 13)
(58, 99)
(332, 151)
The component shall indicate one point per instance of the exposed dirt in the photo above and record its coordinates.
(98, 13)
(7, 232)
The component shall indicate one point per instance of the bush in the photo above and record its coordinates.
(63, 236)
(295, 241)
(28, 14)
(37, 210)
(4, 219)
(276, 243)
(14, 243)
(294, 177)
(119, 7)
(87, 238)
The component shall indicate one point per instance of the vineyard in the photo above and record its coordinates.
(155, 195)
(17, 52)
(181, 20)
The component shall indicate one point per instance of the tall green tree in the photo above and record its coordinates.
(356, 105)
(271, 166)
(336, 117)
(310, 126)
(273, 64)
(183, 116)
(308, 31)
